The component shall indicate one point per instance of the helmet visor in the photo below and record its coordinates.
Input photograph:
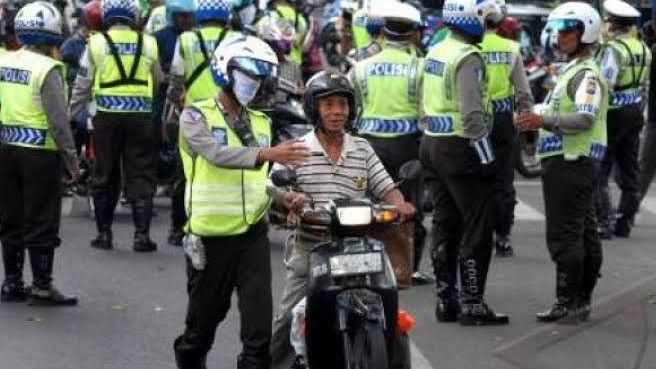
(255, 67)
(565, 25)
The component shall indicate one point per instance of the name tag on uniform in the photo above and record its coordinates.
(220, 135)
(124, 48)
(435, 67)
(14, 75)
(387, 69)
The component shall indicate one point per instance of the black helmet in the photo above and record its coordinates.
(326, 83)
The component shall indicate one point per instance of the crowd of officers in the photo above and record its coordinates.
(456, 106)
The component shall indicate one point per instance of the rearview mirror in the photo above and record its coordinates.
(283, 178)
(410, 170)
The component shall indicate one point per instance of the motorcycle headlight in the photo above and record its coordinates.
(354, 215)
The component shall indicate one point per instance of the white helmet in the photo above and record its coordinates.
(469, 16)
(395, 11)
(621, 9)
(38, 23)
(499, 12)
(276, 32)
(576, 15)
(248, 54)
(126, 10)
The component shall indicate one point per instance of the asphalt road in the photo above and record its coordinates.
(133, 305)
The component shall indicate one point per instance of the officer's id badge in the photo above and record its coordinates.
(220, 135)
(591, 86)
(360, 183)
(263, 140)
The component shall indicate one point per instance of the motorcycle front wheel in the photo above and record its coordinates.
(369, 347)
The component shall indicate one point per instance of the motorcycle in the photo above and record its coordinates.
(352, 300)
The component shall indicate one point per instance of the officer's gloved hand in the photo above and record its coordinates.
(483, 149)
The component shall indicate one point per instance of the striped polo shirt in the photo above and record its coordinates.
(358, 172)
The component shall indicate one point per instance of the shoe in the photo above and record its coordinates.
(422, 279)
(299, 362)
(481, 314)
(503, 245)
(13, 291)
(142, 211)
(623, 227)
(560, 312)
(446, 311)
(49, 296)
(175, 237)
(103, 241)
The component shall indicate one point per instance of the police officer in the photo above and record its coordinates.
(624, 62)
(391, 125)
(288, 9)
(572, 139)
(225, 153)
(457, 152)
(36, 138)
(119, 67)
(507, 85)
(189, 76)
(373, 27)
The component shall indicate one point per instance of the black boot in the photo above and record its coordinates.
(104, 212)
(623, 226)
(142, 211)
(473, 309)
(175, 237)
(13, 287)
(565, 309)
(446, 310)
(591, 268)
(42, 291)
(480, 314)
(504, 247)
(605, 229)
(299, 362)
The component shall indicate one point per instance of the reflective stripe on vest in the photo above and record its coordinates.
(635, 59)
(503, 105)
(626, 97)
(222, 201)
(24, 119)
(113, 54)
(441, 97)
(590, 143)
(391, 72)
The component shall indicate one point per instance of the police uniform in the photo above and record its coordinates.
(190, 75)
(226, 203)
(507, 83)
(570, 147)
(119, 68)
(297, 20)
(457, 153)
(361, 38)
(35, 133)
(624, 62)
(391, 124)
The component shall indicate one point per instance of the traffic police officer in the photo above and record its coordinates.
(190, 76)
(36, 136)
(624, 62)
(457, 152)
(287, 9)
(507, 84)
(572, 139)
(119, 67)
(391, 125)
(225, 154)
(373, 27)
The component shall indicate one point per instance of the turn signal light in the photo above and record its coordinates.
(386, 216)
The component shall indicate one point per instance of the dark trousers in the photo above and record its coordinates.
(30, 202)
(240, 263)
(503, 140)
(464, 201)
(624, 127)
(125, 144)
(569, 188)
(393, 153)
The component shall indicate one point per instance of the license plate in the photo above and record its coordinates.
(352, 264)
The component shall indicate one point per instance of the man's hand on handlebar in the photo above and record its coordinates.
(294, 201)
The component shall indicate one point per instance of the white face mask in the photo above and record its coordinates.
(244, 87)
(247, 15)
